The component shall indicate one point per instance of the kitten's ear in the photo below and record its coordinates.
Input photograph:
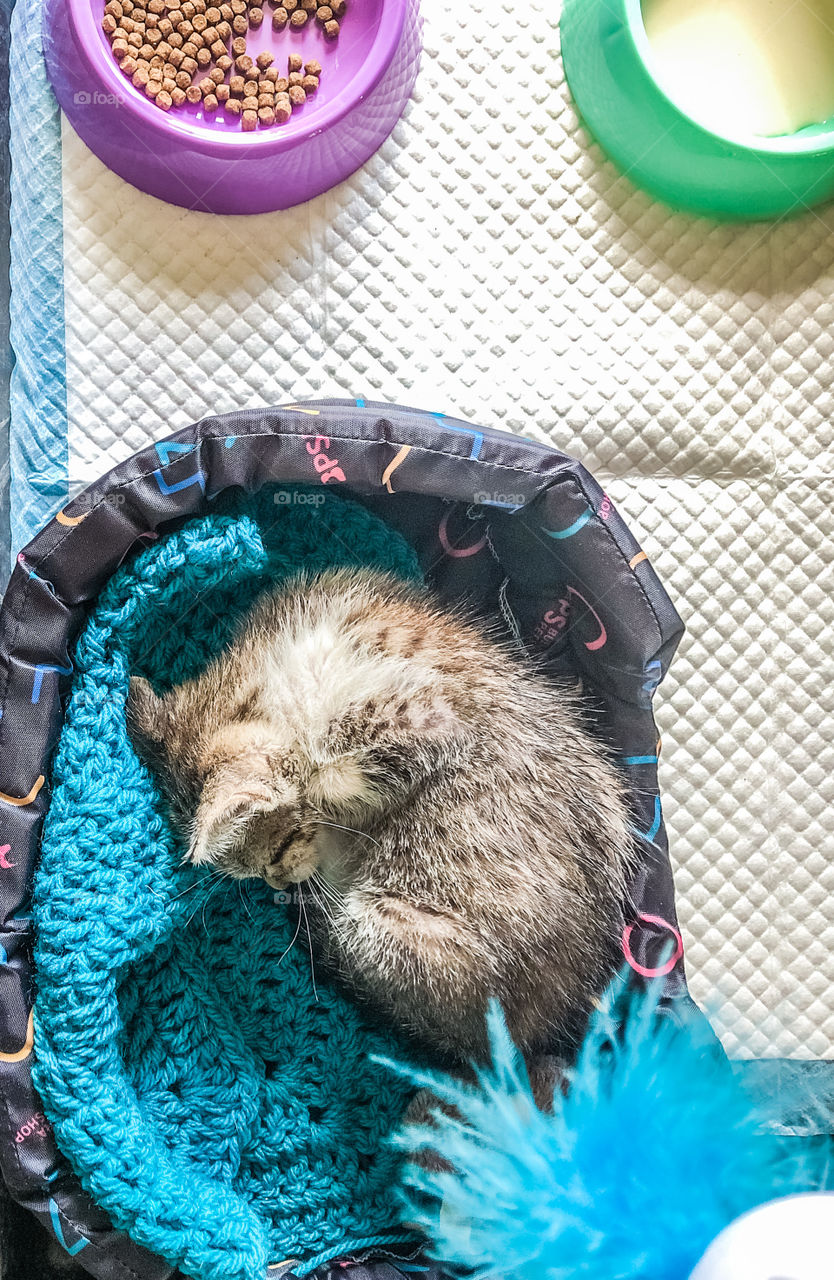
(147, 714)
(224, 814)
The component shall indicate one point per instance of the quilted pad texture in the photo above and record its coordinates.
(490, 263)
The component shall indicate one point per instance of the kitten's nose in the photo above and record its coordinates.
(275, 881)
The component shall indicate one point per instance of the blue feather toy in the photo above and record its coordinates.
(655, 1149)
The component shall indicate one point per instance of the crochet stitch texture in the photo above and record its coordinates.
(216, 1101)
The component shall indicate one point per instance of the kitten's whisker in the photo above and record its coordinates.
(328, 890)
(215, 885)
(322, 903)
(201, 883)
(242, 899)
(288, 949)
(353, 830)
(310, 942)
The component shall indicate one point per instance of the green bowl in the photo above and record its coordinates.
(609, 68)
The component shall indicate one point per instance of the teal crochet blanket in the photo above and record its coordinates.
(214, 1095)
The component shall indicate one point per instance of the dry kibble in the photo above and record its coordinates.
(186, 30)
(310, 5)
(135, 40)
(166, 26)
(203, 57)
(163, 49)
(151, 22)
(324, 14)
(295, 62)
(331, 29)
(238, 6)
(216, 76)
(237, 85)
(210, 37)
(178, 97)
(168, 84)
(297, 95)
(114, 9)
(183, 79)
(200, 6)
(218, 49)
(266, 115)
(153, 37)
(152, 88)
(265, 60)
(282, 84)
(283, 111)
(210, 103)
(313, 68)
(294, 78)
(249, 121)
(266, 99)
(310, 84)
(222, 93)
(206, 86)
(126, 24)
(250, 87)
(155, 6)
(226, 12)
(129, 65)
(290, 5)
(244, 64)
(199, 22)
(225, 63)
(175, 58)
(240, 25)
(138, 14)
(213, 15)
(339, 8)
(175, 40)
(187, 10)
(121, 48)
(157, 62)
(193, 93)
(164, 100)
(189, 65)
(224, 31)
(250, 104)
(280, 18)
(256, 17)
(108, 24)
(239, 46)
(298, 19)
(146, 52)
(271, 73)
(140, 77)
(233, 107)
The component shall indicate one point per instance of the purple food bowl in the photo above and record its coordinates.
(205, 161)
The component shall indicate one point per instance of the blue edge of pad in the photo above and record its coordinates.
(5, 342)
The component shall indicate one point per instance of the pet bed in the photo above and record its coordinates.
(557, 564)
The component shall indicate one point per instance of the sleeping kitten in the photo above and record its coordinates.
(455, 831)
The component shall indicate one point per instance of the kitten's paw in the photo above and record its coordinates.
(420, 1111)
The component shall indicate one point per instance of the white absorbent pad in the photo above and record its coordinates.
(489, 262)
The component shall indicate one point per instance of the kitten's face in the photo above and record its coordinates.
(235, 799)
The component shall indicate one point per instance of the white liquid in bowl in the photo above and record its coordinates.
(745, 67)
